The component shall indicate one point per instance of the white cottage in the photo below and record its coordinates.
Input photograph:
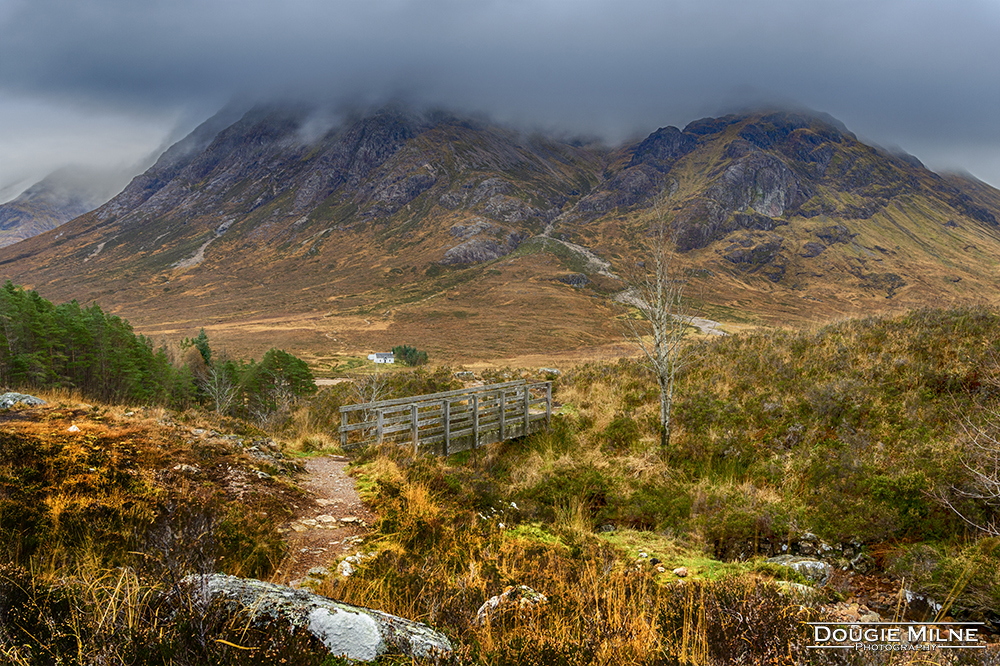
(382, 357)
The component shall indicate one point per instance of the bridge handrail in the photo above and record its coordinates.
(505, 408)
(431, 397)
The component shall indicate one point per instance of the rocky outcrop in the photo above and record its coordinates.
(480, 250)
(663, 147)
(352, 631)
(499, 200)
(753, 192)
(760, 182)
(629, 188)
(483, 242)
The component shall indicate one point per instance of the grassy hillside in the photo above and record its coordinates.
(852, 438)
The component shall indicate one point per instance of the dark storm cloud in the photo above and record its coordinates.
(920, 74)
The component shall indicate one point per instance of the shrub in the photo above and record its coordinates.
(409, 355)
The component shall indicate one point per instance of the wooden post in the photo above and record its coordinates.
(548, 404)
(379, 427)
(475, 420)
(527, 409)
(503, 415)
(343, 430)
(415, 427)
(446, 416)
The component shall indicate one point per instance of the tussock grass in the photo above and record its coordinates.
(99, 528)
(437, 560)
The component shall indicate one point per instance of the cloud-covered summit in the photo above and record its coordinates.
(915, 73)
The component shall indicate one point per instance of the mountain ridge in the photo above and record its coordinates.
(778, 216)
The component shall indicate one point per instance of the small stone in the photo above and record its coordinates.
(299, 528)
(350, 519)
(680, 572)
(309, 522)
(73, 428)
(661, 569)
(325, 518)
(263, 475)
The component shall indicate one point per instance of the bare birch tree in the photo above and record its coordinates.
(656, 289)
(371, 388)
(220, 387)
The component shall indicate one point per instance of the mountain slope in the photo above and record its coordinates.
(430, 229)
(792, 214)
(58, 198)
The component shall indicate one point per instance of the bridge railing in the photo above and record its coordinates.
(451, 421)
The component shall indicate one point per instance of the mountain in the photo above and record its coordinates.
(473, 241)
(788, 213)
(58, 198)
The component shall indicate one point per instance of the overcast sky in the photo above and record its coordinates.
(110, 81)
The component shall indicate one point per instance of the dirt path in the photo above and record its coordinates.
(332, 523)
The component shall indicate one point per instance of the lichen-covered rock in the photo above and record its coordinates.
(352, 631)
(798, 590)
(813, 570)
(8, 400)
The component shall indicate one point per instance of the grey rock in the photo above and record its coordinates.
(814, 570)
(8, 400)
(352, 631)
(479, 250)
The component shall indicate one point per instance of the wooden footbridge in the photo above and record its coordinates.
(453, 421)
